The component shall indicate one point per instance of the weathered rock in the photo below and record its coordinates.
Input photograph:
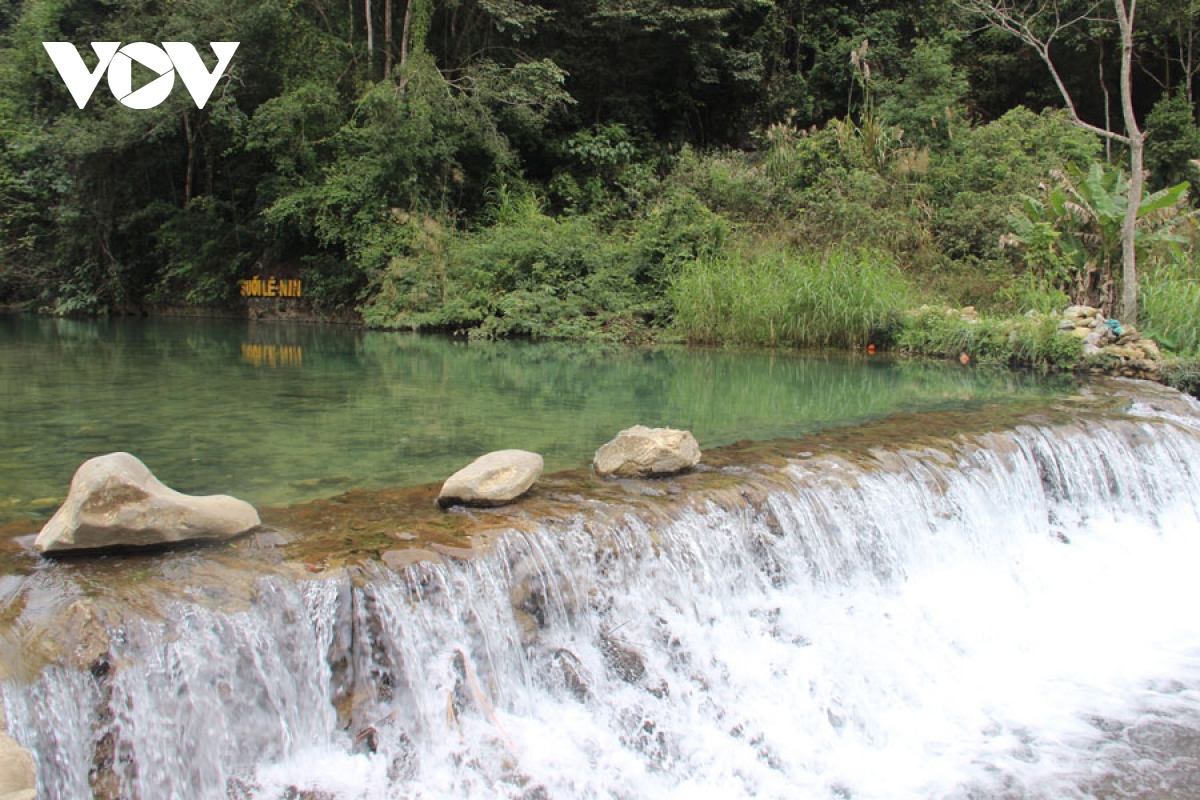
(18, 773)
(492, 480)
(1098, 337)
(398, 560)
(640, 452)
(85, 637)
(115, 501)
(1125, 351)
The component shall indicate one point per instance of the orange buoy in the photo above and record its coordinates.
(871, 349)
(964, 358)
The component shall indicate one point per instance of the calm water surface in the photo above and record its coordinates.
(280, 413)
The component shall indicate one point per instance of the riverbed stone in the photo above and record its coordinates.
(494, 479)
(115, 501)
(18, 773)
(641, 452)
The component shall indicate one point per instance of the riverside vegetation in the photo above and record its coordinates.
(776, 174)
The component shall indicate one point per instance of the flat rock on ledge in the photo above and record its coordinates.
(492, 480)
(115, 501)
(641, 452)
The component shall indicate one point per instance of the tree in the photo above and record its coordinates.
(1037, 24)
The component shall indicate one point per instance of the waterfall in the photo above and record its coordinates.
(1010, 616)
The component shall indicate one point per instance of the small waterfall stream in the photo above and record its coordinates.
(1015, 617)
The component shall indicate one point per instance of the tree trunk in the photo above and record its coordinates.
(387, 39)
(1137, 144)
(370, 41)
(404, 32)
(189, 135)
(1107, 105)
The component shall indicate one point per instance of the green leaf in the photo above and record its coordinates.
(1164, 198)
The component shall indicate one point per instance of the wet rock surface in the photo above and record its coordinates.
(115, 501)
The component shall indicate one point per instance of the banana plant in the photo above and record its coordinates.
(1071, 234)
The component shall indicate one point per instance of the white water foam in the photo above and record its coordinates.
(996, 624)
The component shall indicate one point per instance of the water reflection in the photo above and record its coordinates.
(282, 412)
(272, 355)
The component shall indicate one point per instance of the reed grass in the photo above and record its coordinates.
(837, 298)
(1170, 312)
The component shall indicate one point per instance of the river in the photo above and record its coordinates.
(928, 583)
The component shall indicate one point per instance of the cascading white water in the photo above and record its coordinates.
(1013, 620)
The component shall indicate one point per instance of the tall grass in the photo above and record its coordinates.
(839, 298)
(1170, 299)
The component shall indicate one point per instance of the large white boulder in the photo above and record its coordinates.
(115, 501)
(640, 452)
(492, 480)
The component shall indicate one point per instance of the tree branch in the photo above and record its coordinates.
(1023, 24)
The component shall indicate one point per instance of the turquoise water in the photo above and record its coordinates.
(280, 413)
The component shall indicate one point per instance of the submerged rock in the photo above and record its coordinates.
(18, 774)
(115, 501)
(640, 452)
(492, 480)
(626, 662)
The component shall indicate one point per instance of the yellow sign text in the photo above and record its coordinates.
(270, 287)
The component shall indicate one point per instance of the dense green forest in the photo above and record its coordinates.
(720, 170)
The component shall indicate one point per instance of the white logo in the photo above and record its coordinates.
(164, 61)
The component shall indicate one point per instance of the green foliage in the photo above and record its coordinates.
(926, 103)
(785, 298)
(678, 230)
(1170, 298)
(1172, 140)
(603, 171)
(1182, 374)
(1029, 292)
(729, 184)
(202, 255)
(1071, 235)
(663, 135)
(1029, 341)
(527, 274)
(985, 167)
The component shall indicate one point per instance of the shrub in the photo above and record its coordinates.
(526, 274)
(1182, 374)
(1173, 140)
